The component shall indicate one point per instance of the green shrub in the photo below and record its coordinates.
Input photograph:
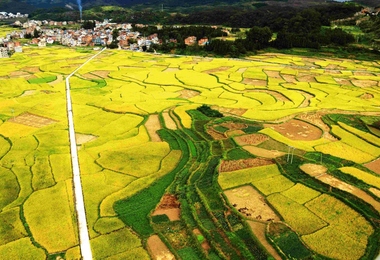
(160, 218)
(200, 238)
(208, 111)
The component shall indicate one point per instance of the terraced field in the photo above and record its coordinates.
(162, 179)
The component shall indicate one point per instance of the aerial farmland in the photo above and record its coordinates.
(274, 156)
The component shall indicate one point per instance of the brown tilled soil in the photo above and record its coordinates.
(31, 69)
(101, 73)
(255, 82)
(259, 230)
(316, 119)
(233, 111)
(158, 250)
(334, 182)
(171, 69)
(188, 93)
(313, 169)
(153, 125)
(83, 138)
(251, 139)
(273, 74)
(90, 76)
(320, 172)
(59, 79)
(20, 73)
(216, 135)
(374, 166)
(251, 204)
(307, 96)
(364, 83)
(234, 126)
(169, 122)
(334, 67)
(289, 78)
(169, 206)
(224, 68)
(277, 95)
(344, 82)
(234, 165)
(32, 120)
(297, 130)
(241, 70)
(367, 96)
(261, 152)
(306, 78)
(362, 73)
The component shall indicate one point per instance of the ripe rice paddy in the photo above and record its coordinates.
(141, 137)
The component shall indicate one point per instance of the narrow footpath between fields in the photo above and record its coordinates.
(84, 239)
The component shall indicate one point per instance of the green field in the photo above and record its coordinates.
(126, 169)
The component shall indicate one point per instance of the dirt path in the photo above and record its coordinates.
(258, 229)
(317, 172)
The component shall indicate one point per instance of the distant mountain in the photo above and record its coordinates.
(30, 5)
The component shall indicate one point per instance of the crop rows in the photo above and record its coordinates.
(125, 174)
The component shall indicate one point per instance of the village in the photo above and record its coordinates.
(43, 33)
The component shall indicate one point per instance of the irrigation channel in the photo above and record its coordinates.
(84, 239)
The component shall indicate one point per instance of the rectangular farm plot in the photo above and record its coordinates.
(296, 215)
(273, 184)
(300, 193)
(250, 202)
(362, 175)
(345, 151)
(333, 244)
(237, 178)
(32, 120)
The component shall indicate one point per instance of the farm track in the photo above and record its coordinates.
(84, 238)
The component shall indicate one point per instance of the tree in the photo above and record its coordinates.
(259, 37)
(88, 25)
(36, 33)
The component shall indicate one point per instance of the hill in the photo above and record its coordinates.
(30, 5)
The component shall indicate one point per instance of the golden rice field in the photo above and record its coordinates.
(113, 96)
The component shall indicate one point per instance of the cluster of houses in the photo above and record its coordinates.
(9, 47)
(101, 35)
(5, 15)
